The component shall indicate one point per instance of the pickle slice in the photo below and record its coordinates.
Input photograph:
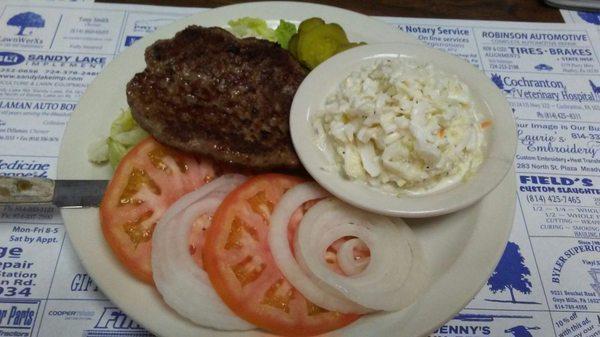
(309, 24)
(320, 43)
(316, 41)
(293, 45)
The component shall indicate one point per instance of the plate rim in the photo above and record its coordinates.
(71, 216)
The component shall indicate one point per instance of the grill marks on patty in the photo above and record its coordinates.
(207, 92)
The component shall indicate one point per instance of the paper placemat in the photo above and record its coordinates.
(547, 282)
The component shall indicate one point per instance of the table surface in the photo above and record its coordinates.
(506, 10)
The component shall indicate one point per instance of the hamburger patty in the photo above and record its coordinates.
(205, 91)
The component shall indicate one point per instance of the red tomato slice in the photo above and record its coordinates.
(147, 181)
(241, 268)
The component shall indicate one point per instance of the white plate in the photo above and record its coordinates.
(463, 247)
(489, 101)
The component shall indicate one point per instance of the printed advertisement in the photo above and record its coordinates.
(547, 282)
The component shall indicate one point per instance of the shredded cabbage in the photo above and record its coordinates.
(124, 134)
(256, 27)
(402, 127)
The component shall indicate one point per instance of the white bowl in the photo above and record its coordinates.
(501, 138)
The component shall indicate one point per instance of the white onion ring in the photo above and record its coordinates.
(396, 273)
(346, 260)
(282, 254)
(183, 285)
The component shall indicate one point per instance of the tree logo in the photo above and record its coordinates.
(511, 274)
(26, 20)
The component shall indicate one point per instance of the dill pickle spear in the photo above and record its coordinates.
(309, 24)
(320, 43)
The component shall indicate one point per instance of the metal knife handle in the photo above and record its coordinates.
(19, 190)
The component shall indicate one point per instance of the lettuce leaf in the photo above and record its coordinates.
(124, 122)
(284, 33)
(124, 134)
(116, 151)
(257, 27)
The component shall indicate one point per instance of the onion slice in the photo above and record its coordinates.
(183, 285)
(284, 258)
(346, 260)
(397, 272)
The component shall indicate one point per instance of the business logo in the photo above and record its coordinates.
(544, 89)
(591, 17)
(468, 324)
(23, 168)
(521, 331)
(510, 84)
(115, 319)
(543, 67)
(511, 274)
(471, 324)
(114, 323)
(17, 317)
(582, 247)
(463, 330)
(72, 315)
(26, 20)
(10, 59)
(497, 79)
(130, 39)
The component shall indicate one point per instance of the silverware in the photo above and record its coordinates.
(62, 193)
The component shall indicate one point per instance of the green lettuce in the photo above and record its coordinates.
(248, 26)
(116, 151)
(256, 27)
(284, 33)
(124, 134)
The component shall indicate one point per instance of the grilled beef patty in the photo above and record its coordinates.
(205, 91)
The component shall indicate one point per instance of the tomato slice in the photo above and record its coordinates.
(147, 181)
(241, 268)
